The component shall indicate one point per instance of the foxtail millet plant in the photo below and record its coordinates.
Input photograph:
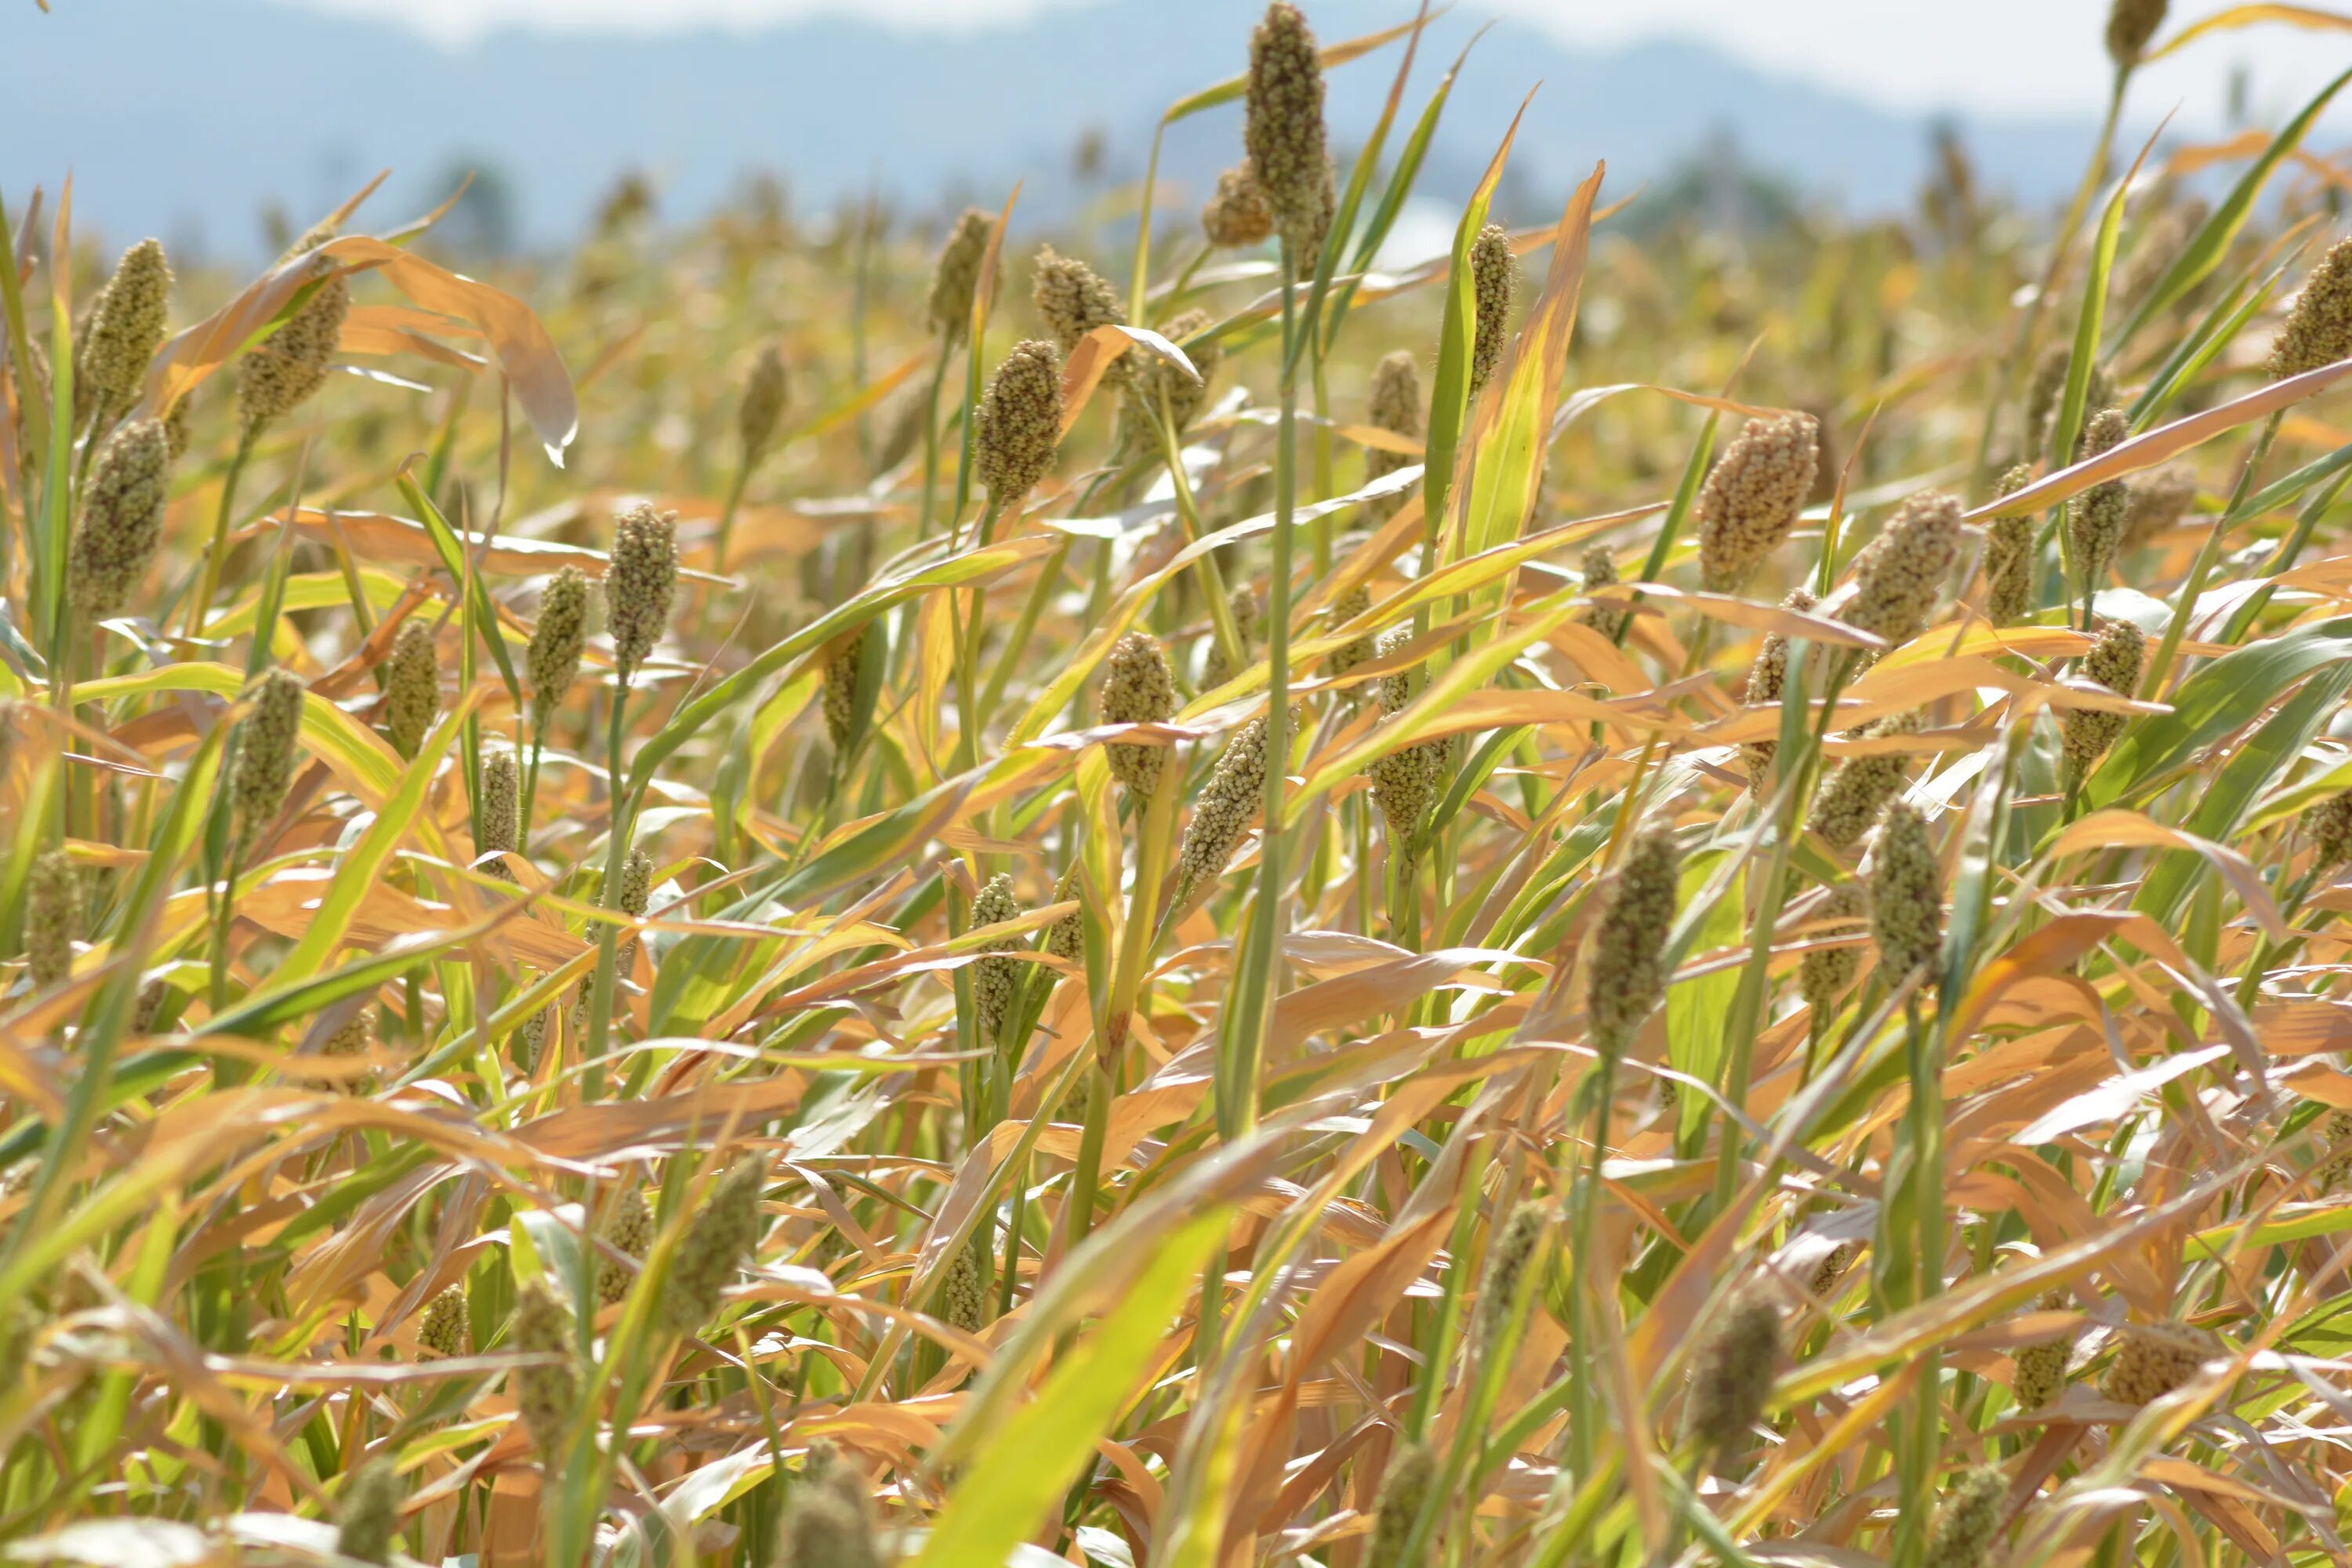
(1752, 497)
(122, 519)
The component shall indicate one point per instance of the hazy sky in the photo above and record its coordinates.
(1996, 56)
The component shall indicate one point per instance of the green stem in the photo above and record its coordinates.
(608, 940)
(727, 516)
(208, 581)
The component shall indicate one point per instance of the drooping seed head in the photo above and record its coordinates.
(367, 1514)
(411, 686)
(1906, 895)
(1137, 688)
(1752, 497)
(765, 395)
(122, 519)
(841, 689)
(630, 1229)
(2318, 330)
(1732, 1369)
(1625, 978)
(1222, 817)
(2329, 824)
(277, 374)
(2158, 501)
(639, 583)
(1019, 427)
(1507, 1264)
(1899, 574)
(126, 327)
(1494, 279)
(825, 1523)
(546, 1396)
(955, 280)
(1242, 605)
(1072, 299)
(267, 748)
(1767, 679)
(444, 1330)
(1824, 974)
(1850, 796)
(556, 642)
(1405, 1487)
(1967, 1521)
(2114, 662)
(2130, 24)
(2156, 1359)
(719, 1246)
(1238, 216)
(995, 981)
(963, 1294)
(2042, 1368)
(2009, 556)
(53, 918)
(501, 803)
(2095, 517)
(1283, 127)
(1608, 618)
(1347, 607)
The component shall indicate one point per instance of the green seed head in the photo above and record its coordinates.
(2158, 501)
(1405, 1487)
(2328, 826)
(501, 803)
(963, 1294)
(1066, 938)
(1137, 689)
(2115, 663)
(1345, 608)
(1599, 565)
(765, 396)
(1752, 497)
(1899, 574)
(631, 1230)
(411, 686)
(720, 1245)
(122, 519)
(635, 896)
(1238, 214)
(443, 1329)
(1395, 406)
(2009, 556)
(1018, 429)
(546, 1396)
(995, 981)
(1241, 603)
(284, 369)
(265, 756)
(640, 583)
(1283, 121)
(1967, 1521)
(1766, 679)
(956, 279)
(353, 1036)
(176, 427)
(556, 642)
(1625, 978)
(2156, 1359)
(2130, 24)
(2096, 517)
(531, 1037)
(1222, 815)
(367, 1514)
(1072, 300)
(1906, 895)
(1493, 277)
(1823, 975)
(2042, 1368)
(1850, 799)
(841, 689)
(2318, 330)
(1507, 1264)
(53, 918)
(1731, 1376)
(126, 327)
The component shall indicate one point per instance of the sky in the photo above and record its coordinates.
(2002, 56)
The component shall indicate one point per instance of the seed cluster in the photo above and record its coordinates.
(2096, 517)
(640, 584)
(1752, 496)
(995, 981)
(557, 641)
(2155, 1359)
(126, 327)
(1238, 216)
(1850, 796)
(1906, 895)
(1732, 1369)
(1625, 976)
(1899, 574)
(2114, 662)
(1222, 815)
(122, 519)
(1018, 428)
(955, 280)
(1822, 975)
(2009, 556)
(1494, 279)
(1137, 689)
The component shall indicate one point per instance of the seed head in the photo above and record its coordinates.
(1766, 678)
(502, 803)
(1072, 300)
(1395, 408)
(721, 1243)
(353, 1036)
(1824, 974)
(1404, 782)
(546, 1397)
(1283, 126)
(53, 918)
(1849, 800)
(1899, 573)
(556, 642)
(1304, 236)
(825, 1525)
(443, 1328)
(1506, 1263)
(2114, 662)
(841, 689)
(2130, 24)
(1155, 381)
(2329, 824)
(1494, 277)
(1906, 895)
(1968, 1523)
(2095, 517)
(1222, 817)
(2335, 1138)
(1752, 497)
(1731, 1375)
(122, 519)
(1600, 568)
(963, 1294)
(765, 396)
(639, 583)
(995, 981)
(1405, 1487)
(367, 1514)
(176, 427)
(635, 894)
(2009, 556)
(1243, 605)
(2318, 330)
(265, 757)
(126, 327)
(2155, 1359)
(1066, 938)
(2042, 1368)
(956, 279)
(1346, 608)
(1831, 1269)
(531, 1039)
(1238, 215)
(1626, 977)
(630, 1229)
(2158, 501)
(1019, 427)
(1137, 688)
(279, 373)
(412, 685)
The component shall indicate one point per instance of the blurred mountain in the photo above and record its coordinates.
(187, 119)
